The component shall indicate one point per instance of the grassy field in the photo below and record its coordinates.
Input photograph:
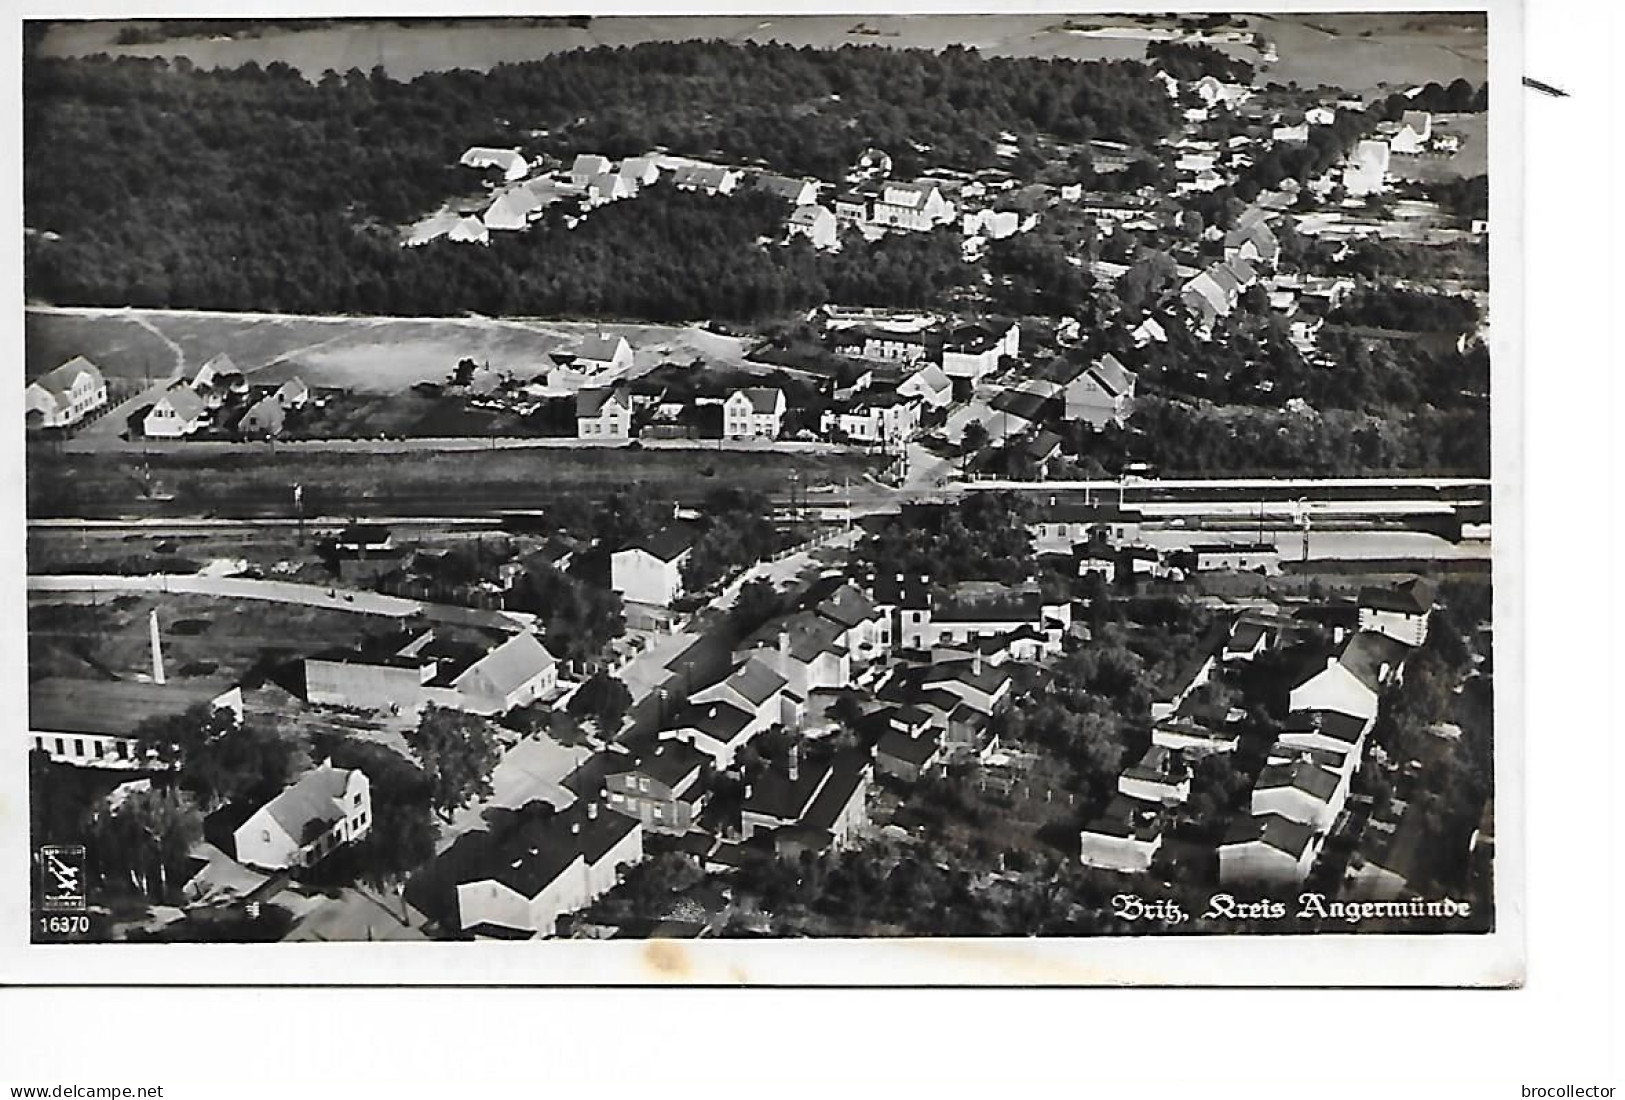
(1472, 159)
(412, 483)
(204, 638)
(374, 355)
(1357, 51)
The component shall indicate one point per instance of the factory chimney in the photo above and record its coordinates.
(157, 648)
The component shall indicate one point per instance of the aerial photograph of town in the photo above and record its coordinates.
(782, 477)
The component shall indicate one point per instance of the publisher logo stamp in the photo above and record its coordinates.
(62, 878)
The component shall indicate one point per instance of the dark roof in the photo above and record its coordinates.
(763, 399)
(1073, 512)
(1280, 833)
(1366, 654)
(1411, 597)
(1304, 775)
(1128, 818)
(1345, 728)
(1245, 635)
(847, 605)
(541, 849)
(60, 380)
(912, 750)
(1008, 605)
(846, 775)
(112, 707)
(1028, 406)
(670, 762)
(718, 719)
(364, 534)
(774, 794)
(1113, 377)
(809, 634)
(785, 187)
(1159, 764)
(592, 402)
(668, 544)
(755, 680)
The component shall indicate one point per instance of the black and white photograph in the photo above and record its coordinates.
(718, 481)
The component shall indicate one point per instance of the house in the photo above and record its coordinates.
(916, 206)
(1325, 731)
(970, 611)
(931, 385)
(326, 809)
(756, 688)
(806, 649)
(208, 375)
(875, 415)
(518, 672)
(1159, 776)
(1194, 736)
(510, 161)
(602, 353)
(1302, 790)
(1351, 681)
(662, 787)
(1267, 848)
(93, 723)
(587, 167)
(756, 412)
(1240, 557)
(639, 171)
(1248, 638)
(364, 538)
(604, 413)
(817, 224)
(1102, 393)
(973, 351)
(864, 627)
(824, 803)
(1320, 116)
(67, 394)
(888, 345)
(708, 179)
(1214, 92)
(1251, 239)
(907, 756)
(1062, 525)
(178, 413)
(293, 394)
(650, 570)
(1367, 169)
(1096, 559)
(717, 728)
(1149, 331)
(607, 187)
(796, 192)
(1400, 612)
(981, 685)
(548, 867)
(264, 419)
(514, 208)
(1125, 837)
(1415, 131)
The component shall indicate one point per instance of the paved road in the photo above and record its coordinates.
(308, 595)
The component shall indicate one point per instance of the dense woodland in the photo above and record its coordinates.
(154, 184)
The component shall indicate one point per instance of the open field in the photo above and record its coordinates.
(410, 483)
(205, 638)
(377, 355)
(1357, 51)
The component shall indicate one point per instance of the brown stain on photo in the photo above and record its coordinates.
(667, 959)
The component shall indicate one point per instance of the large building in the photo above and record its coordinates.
(327, 808)
(66, 395)
(402, 673)
(650, 570)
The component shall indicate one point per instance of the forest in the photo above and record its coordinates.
(156, 184)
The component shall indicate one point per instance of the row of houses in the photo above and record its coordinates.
(1303, 787)
(65, 395)
(616, 413)
(966, 352)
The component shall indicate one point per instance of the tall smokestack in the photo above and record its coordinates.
(157, 648)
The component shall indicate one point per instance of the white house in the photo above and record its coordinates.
(327, 808)
(603, 353)
(639, 171)
(1400, 612)
(1125, 837)
(1268, 848)
(931, 385)
(817, 224)
(975, 350)
(604, 413)
(707, 179)
(559, 865)
(875, 416)
(516, 673)
(607, 187)
(586, 167)
(806, 649)
(1102, 393)
(1303, 790)
(756, 412)
(512, 209)
(650, 570)
(1415, 130)
(469, 230)
(1351, 681)
(1366, 172)
(917, 206)
(511, 161)
(1160, 776)
(179, 412)
(67, 394)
